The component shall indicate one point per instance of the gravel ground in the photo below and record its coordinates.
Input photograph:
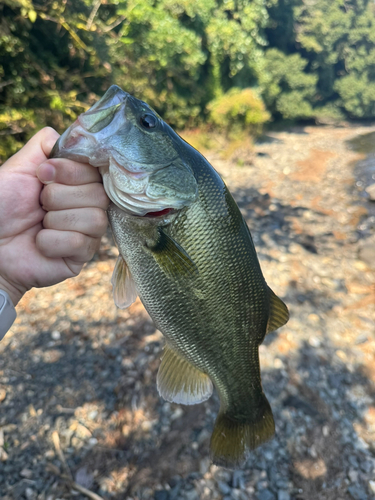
(80, 415)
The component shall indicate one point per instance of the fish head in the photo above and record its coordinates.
(135, 151)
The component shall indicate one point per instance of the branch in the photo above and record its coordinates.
(65, 25)
(60, 454)
(72, 484)
(93, 14)
(112, 26)
(4, 84)
(68, 477)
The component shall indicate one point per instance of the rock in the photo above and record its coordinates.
(266, 495)
(204, 465)
(237, 494)
(92, 414)
(191, 495)
(353, 475)
(27, 473)
(56, 335)
(371, 485)
(366, 252)
(367, 466)
(283, 495)
(175, 492)
(268, 455)
(370, 190)
(203, 436)
(238, 480)
(262, 485)
(84, 478)
(223, 487)
(30, 494)
(357, 492)
(3, 394)
(353, 461)
(162, 495)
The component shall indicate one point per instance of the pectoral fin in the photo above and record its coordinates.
(124, 290)
(172, 258)
(279, 313)
(178, 381)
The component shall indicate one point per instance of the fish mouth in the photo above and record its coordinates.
(159, 214)
(85, 139)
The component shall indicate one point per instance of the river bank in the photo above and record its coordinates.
(78, 394)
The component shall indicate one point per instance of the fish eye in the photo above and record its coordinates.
(148, 120)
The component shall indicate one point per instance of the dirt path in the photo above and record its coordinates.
(77, 375)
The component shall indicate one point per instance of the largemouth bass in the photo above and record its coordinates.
(186, 250)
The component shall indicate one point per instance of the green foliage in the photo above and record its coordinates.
(288, 90)
(46, 61)
(179, 55)
(357, 95)
(339, 38)
(238, 110)
(194, 61)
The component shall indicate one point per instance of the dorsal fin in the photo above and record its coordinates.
(124, 290)
(279, 313)
(178, 381)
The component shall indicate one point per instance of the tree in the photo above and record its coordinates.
(48, 62)
(288, 90)
(339, 37)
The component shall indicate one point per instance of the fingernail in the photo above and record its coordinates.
(46, 173)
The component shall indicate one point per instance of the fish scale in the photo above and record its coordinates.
(194, 266)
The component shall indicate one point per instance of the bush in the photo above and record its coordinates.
(239, 110)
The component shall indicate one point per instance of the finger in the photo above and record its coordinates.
(37, 149)
(89, 221)
(67, 172)
(67, 244)
(60, 197)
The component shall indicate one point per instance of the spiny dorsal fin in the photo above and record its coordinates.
(172, 258)
(124, 290)
(279, 313)
(178, 381)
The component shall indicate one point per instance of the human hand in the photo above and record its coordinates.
(52, 216)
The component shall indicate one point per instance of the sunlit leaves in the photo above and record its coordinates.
(340, 38)
(287, 88)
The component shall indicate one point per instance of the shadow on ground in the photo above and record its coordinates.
(113, 425)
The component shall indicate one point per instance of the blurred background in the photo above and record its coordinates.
(279, 95)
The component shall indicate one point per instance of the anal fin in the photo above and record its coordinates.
(178, 381)
(124, 289)
(279, 314)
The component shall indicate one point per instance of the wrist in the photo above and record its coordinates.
(14, 293)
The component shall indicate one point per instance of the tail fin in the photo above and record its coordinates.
(231, 439)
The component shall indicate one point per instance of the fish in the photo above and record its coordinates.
(187, 252)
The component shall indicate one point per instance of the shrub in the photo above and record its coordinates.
(239, 110)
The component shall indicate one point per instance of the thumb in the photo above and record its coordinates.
(35, 151)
